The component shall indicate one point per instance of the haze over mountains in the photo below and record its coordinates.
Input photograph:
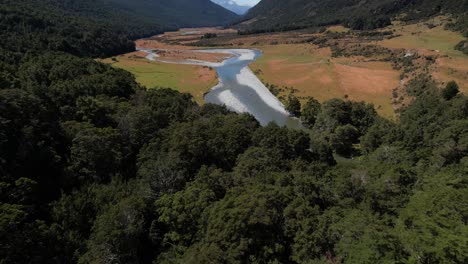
(233, 6)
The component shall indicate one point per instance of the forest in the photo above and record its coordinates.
(278, 15)
(98, 28)
(95, 168)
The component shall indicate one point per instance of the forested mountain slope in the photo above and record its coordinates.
(359, 14)
(43, 25)
(179, 13)
(98, 28)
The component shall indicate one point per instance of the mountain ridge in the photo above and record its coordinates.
(98, 28)
(276, 15)
(179, 13)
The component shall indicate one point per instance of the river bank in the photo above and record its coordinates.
(239, 89)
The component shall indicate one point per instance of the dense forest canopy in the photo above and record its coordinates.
(179, 13)
(98, 28)
(95, 168)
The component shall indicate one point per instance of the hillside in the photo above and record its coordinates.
(368, 14)
(179, 13)
(98, 28)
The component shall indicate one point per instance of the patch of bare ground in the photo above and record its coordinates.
(168, 52)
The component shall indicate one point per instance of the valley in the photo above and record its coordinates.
(335, 62)
(238, 88)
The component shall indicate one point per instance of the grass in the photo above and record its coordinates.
(420, 36)
(451, 65)
(455, 69)
(312, 72)
(196, 80)
(337, 29)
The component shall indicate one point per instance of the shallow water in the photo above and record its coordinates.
(248, 95)
(241, 91)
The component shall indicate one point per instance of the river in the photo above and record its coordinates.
(239, 89)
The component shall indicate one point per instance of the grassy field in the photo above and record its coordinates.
(196, 80)
(338, 29)
(452, 68)
(313, 72)
(451, 64)
(420, 37)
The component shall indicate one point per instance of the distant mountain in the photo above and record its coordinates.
(360, 14)
(233, 6)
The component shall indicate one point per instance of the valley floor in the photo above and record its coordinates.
(335, 63)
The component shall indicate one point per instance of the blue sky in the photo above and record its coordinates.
(247, 2)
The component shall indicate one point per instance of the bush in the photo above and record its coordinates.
(450, 91)
(310, 112)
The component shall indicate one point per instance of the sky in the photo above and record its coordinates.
(247, 2)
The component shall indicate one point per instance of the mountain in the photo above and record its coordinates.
(360, 14)
(233, 6)
(178, 13)
(98, 28)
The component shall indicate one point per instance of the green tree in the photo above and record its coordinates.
(31, 143)
(256, 160)
(335, 112)
(117, 234)
(310, 112)
(182, 212)
(96, 155)
(170, 162)
(290, 144)
(433, 226)
(99, 111)
(451, 145)
(243, 227)
(450, 90)
(381, 132)
(343, 139)
(300, 223)
(360, 237)
(293, 105)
